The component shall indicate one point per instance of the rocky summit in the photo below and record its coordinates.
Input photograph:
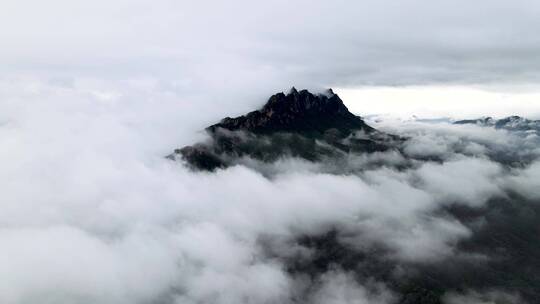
(297, 124)
(299, 112)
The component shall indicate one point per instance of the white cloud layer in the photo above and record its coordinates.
(93, 213)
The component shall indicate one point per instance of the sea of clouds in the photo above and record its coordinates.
(94, 95)
(92, 211)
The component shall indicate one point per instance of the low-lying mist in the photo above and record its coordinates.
(93, 212)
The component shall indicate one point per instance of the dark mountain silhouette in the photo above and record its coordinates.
(300, 112)
(298, 124)
(511, 123)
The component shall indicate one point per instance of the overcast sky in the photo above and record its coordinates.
(257, 48)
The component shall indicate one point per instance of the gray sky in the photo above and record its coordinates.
(311, 43)
(234, 54)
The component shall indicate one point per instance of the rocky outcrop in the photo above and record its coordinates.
(298, 112)
(298, 124)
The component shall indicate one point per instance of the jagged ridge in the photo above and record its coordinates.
(512, 123)
(297, 112)
(298, 124)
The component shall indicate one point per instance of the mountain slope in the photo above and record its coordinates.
(298, 124)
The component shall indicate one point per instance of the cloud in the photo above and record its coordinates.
(469, 180)
(59, 264)
(212, 46)
(526, 181)
(92, 212)
(444, 141)
(341, 288)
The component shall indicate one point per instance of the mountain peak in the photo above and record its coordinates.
(293, 91)
(329, 92)
(298, 124)
(298, 111)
